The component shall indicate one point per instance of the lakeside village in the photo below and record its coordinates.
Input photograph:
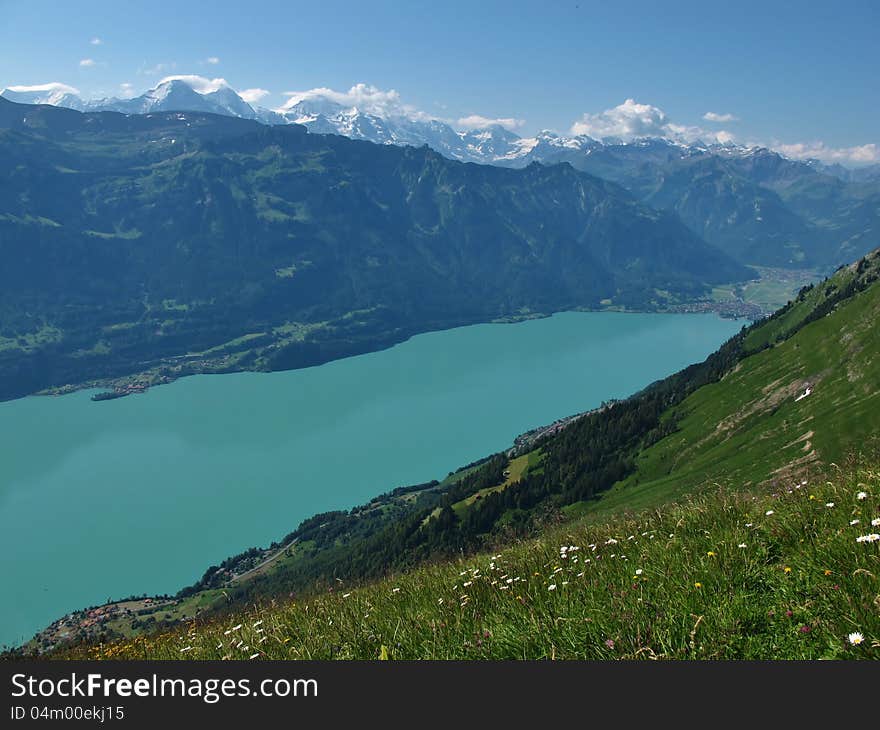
(121, 391)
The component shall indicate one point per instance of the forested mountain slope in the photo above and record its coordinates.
(183, 242)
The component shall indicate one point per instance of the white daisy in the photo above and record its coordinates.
(855, 638)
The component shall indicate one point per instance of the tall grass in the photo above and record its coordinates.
(728, 575)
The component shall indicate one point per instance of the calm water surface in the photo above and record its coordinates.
(141, 494)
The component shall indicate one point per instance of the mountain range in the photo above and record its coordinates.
(759, 206)
(170, 243)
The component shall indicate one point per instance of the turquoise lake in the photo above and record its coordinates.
(141, 494)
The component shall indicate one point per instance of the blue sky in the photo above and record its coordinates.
(789, 72)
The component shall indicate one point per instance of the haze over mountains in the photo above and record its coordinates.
(756, 204)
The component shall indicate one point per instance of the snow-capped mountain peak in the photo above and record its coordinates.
(54, 93)
(367, 113)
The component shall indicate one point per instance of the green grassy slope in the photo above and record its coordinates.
(727, 575)
(750, 427)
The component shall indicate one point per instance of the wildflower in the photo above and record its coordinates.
(853, 522)
(711, 554)
(829, 504)
(395, 590)
(873, 537)
(786, 569)
(861, 496)
(749, 524)
(639, 571)
(855, 638)
(768, 512)
(609, 643)
(805, 629)
(826, 571)
(698, 585)
(551, 587)
(789, 613)
(875, 522)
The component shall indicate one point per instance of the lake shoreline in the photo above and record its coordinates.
(142, 381)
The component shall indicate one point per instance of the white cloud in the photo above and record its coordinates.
(386, 104)
(126, 90)
(87, 63)
(626, 120)
(213, 60)
(252, 96)
(715, 117)
(859, 154)
(96, 41)
(365, 97)
(198, 83)
(476, 121)
(54, 86)
(632, 120)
